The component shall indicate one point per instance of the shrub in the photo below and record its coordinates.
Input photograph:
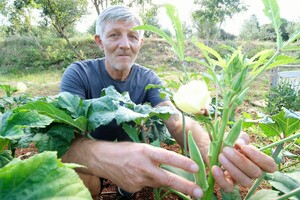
(283, 95)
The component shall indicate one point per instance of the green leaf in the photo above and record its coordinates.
(126, 115)
(42, 176)
(3, 143)
(5, 157)
(101, 112)
(71, 103)
(12, 124)
(57, 138)
(51, 111)
(132, 132)
(234, 195)
(207, 49)
(283, 182)
(173, 15)
(293, 38)
(160, 33)
(268, 126)
(288, 125)
(272, 12)
(265, 195)
(282, 60)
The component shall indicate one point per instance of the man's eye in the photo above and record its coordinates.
(133, 37)
(113, 35)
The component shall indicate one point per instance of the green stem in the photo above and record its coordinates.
(184, 135)
(280, 142)
(181, 195)
(260, 179)
(216, 151)
(156, 192)
(290, 194)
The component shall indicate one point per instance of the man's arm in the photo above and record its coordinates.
(241, 163)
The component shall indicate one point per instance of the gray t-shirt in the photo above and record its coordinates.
(88, 78)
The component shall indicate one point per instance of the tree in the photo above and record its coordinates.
(250, 29)
(267, 31)
(213, 12)
(63, 14)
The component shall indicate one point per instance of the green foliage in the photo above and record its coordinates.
(209, 13)
(282, 124)
(42, 176)
(283, 95)
(285, 183)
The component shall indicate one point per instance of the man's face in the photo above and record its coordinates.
(120, 45)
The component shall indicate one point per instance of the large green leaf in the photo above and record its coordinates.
(53, 112)
(42, 176)
(287, 121)
(72, 103)
(283, 182)
(101, 112)
(272, 12)
(57, 138)
(12, 124)
(264, 195)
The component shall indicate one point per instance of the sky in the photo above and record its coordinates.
(289, 9)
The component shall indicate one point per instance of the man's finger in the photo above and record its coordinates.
(162, 156)
(167, 179)
(235, 172)
(242, 162)
(264, 161)
(224, 182)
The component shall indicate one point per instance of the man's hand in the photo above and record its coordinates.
(241, 164)
(135, 166)
(132, 166)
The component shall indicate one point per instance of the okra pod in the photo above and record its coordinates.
(233, 134)
(200, 176)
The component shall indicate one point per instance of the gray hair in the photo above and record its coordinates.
(117, 13)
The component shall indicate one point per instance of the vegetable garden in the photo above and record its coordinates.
(51, 122)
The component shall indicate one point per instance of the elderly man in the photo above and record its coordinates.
(132, 166)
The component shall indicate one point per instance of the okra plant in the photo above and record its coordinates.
(231, 76)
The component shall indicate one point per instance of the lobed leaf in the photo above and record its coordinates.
(42, 176)
(50, 110)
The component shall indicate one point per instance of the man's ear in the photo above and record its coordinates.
(98, 41)
(142, 42)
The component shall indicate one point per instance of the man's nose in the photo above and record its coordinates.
(124, 43)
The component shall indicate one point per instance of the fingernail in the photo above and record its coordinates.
(228, 151)
(247, 149)
(194, 168)
(240, 142)
(198, 193)
(223, 159)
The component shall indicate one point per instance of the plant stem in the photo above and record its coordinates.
(184, 135)
(281, 141)
(216, 151)
(290, 194)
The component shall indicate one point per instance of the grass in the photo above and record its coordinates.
(43, 83)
